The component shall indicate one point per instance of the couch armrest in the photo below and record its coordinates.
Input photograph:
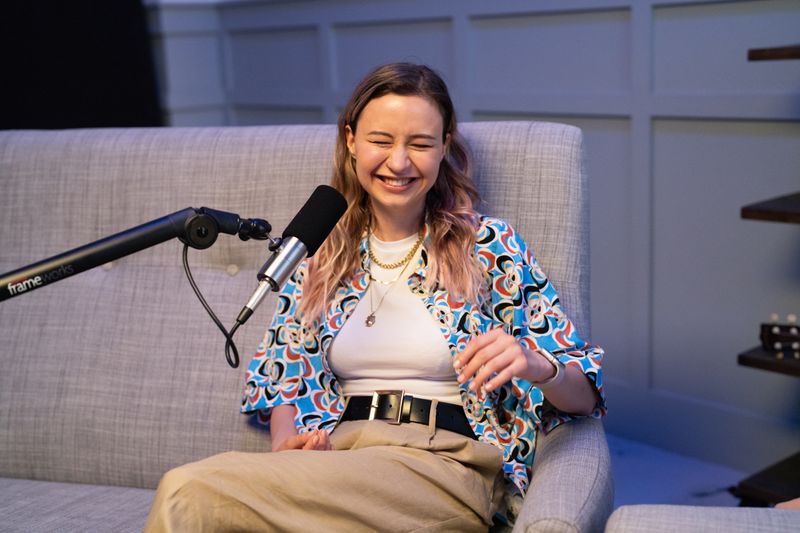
(572, 487)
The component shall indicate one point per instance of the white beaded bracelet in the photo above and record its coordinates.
(556, 378)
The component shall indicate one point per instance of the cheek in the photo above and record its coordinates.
(368, 157)
(362, 175)
(361, 164)
(429, 166)
(366, 162)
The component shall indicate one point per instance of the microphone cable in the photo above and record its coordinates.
(306, 232)
(231, 353)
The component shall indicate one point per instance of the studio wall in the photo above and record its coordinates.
(681, 131)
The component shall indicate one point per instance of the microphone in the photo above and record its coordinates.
(301, 238)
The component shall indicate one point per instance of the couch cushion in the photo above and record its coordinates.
(669, 518)
(43, 506)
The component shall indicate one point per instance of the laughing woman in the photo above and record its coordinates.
(411, 363)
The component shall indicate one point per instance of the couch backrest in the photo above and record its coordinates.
(117, 374)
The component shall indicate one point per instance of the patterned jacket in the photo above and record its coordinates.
(290, 366)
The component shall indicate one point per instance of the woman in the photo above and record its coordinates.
(420, 351)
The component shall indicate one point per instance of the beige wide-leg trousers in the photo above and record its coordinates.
(381, 477)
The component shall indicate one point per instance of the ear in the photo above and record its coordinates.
(350, 139)
(446, 145)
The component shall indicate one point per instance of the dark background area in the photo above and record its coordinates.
(77, 64)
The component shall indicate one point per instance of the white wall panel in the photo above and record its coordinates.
(551, 53)
(189, 65)
(272, 62)
(703, 49)
(197, 116)
(195, 64)
(715, 275)
(255, 115)
(360, 47)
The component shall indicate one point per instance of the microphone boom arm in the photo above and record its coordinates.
(198, 228)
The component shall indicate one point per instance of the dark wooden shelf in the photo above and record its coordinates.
(781, 209)
(759, 358)
(769, 54)
(781, 481)
(777, 483)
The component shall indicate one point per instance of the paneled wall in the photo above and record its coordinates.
(681, 131)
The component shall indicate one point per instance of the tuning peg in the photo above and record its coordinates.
(791, 318)
(774, 317)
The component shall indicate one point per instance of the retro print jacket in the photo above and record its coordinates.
(290, 366)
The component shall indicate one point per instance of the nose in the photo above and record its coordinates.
(398, 160)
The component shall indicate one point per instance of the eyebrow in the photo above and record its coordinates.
(413, 136)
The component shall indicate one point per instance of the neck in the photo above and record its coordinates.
(394, 227)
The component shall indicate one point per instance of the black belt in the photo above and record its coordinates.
(396, 407)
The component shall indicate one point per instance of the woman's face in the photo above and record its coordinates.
(398, 147)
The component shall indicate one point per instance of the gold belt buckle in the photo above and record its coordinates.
(374, 404)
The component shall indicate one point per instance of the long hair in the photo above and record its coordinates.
(450, 204)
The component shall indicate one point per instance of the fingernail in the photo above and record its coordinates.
(456, 363)
(460, 379)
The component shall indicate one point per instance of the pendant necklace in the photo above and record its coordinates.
(370, 321)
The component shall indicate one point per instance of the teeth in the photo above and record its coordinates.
(397, 182)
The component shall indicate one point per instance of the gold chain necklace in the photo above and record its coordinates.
(370, 321)
(396, 264)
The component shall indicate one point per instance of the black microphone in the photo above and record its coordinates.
(301, 238)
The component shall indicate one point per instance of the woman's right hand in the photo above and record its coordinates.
(311, 440)
(285, 436)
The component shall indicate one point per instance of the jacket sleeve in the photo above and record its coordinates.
(280, 370)
(527, 302)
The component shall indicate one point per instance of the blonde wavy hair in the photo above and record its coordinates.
(450, 204)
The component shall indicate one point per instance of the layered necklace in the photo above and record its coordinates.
(404, 262)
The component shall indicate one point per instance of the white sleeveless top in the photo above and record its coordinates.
(404, 349)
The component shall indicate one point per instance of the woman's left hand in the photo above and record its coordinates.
(495, 357)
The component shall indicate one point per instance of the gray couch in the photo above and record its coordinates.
(692, 518)
(113, 376)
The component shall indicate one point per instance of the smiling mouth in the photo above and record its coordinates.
(396, 182)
